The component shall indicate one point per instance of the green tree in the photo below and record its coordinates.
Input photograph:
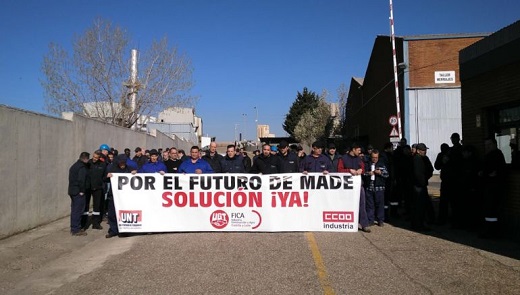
(306, 100)
(314, 124)
(95, 79)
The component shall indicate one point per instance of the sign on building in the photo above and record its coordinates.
(442, 77)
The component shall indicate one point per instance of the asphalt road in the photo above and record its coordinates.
(390, 260)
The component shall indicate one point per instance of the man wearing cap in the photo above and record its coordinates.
(105, 149)
(316, 161)
(139, 158)
(290, 162)
(422, 171)
(266, 163)
(334, 157)
(274, 150)
(154, 166)
(119, 166)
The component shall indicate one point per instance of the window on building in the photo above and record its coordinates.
(507, 130)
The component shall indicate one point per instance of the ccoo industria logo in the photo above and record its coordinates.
(130, 217)
(219, 219)
(338, 216)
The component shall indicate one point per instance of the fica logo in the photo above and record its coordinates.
(219, 219)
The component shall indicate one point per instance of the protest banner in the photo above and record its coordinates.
(151, 202)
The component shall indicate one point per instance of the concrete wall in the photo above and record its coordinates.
(37, 151)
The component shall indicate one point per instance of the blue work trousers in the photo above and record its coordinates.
(112, 217)
(77, 205)
(375, 206)
(363, 218)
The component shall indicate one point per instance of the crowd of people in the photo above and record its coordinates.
(394, 181)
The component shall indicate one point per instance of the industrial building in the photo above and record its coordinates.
(429, 91)
(491, 108)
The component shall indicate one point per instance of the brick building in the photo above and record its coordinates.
(429, 88)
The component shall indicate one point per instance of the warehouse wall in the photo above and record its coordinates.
(37, 151)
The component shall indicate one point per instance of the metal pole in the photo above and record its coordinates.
(396, 79)
(256, 123)
(236, 133)
(133, 82)
(244, 116)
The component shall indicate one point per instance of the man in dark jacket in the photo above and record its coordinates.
(77, 189)
(444, 201)
(266, 163)
(232, 163)
(333, 155)
(119, 166)
(290, 161)
(422, 172)
(96, 177)
(213, 158)
(173, 162)
(352, 163)
(493, 176)
(139, 158)
(316, 161)
(376, 174)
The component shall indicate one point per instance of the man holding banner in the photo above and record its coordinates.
(118, 166)
(195, 164)
(352, 163)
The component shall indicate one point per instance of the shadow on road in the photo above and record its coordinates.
(469, 237)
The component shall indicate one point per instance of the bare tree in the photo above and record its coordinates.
(95, 79)
(313, 123)
(342, 98)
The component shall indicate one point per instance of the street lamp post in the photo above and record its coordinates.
(244, 116)
(236, 132)
(256, 131)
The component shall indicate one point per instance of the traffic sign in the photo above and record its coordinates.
(392, 120)
(394, 132)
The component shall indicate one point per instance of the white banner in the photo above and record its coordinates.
(150, 202)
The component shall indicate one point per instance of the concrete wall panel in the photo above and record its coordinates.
(37, 153)
(25, 175)
(8, 185)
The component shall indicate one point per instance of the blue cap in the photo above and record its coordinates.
(274, 149)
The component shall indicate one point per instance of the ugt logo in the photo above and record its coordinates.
(219, 219)
(130, 216)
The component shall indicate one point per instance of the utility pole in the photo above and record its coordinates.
(396, 79)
